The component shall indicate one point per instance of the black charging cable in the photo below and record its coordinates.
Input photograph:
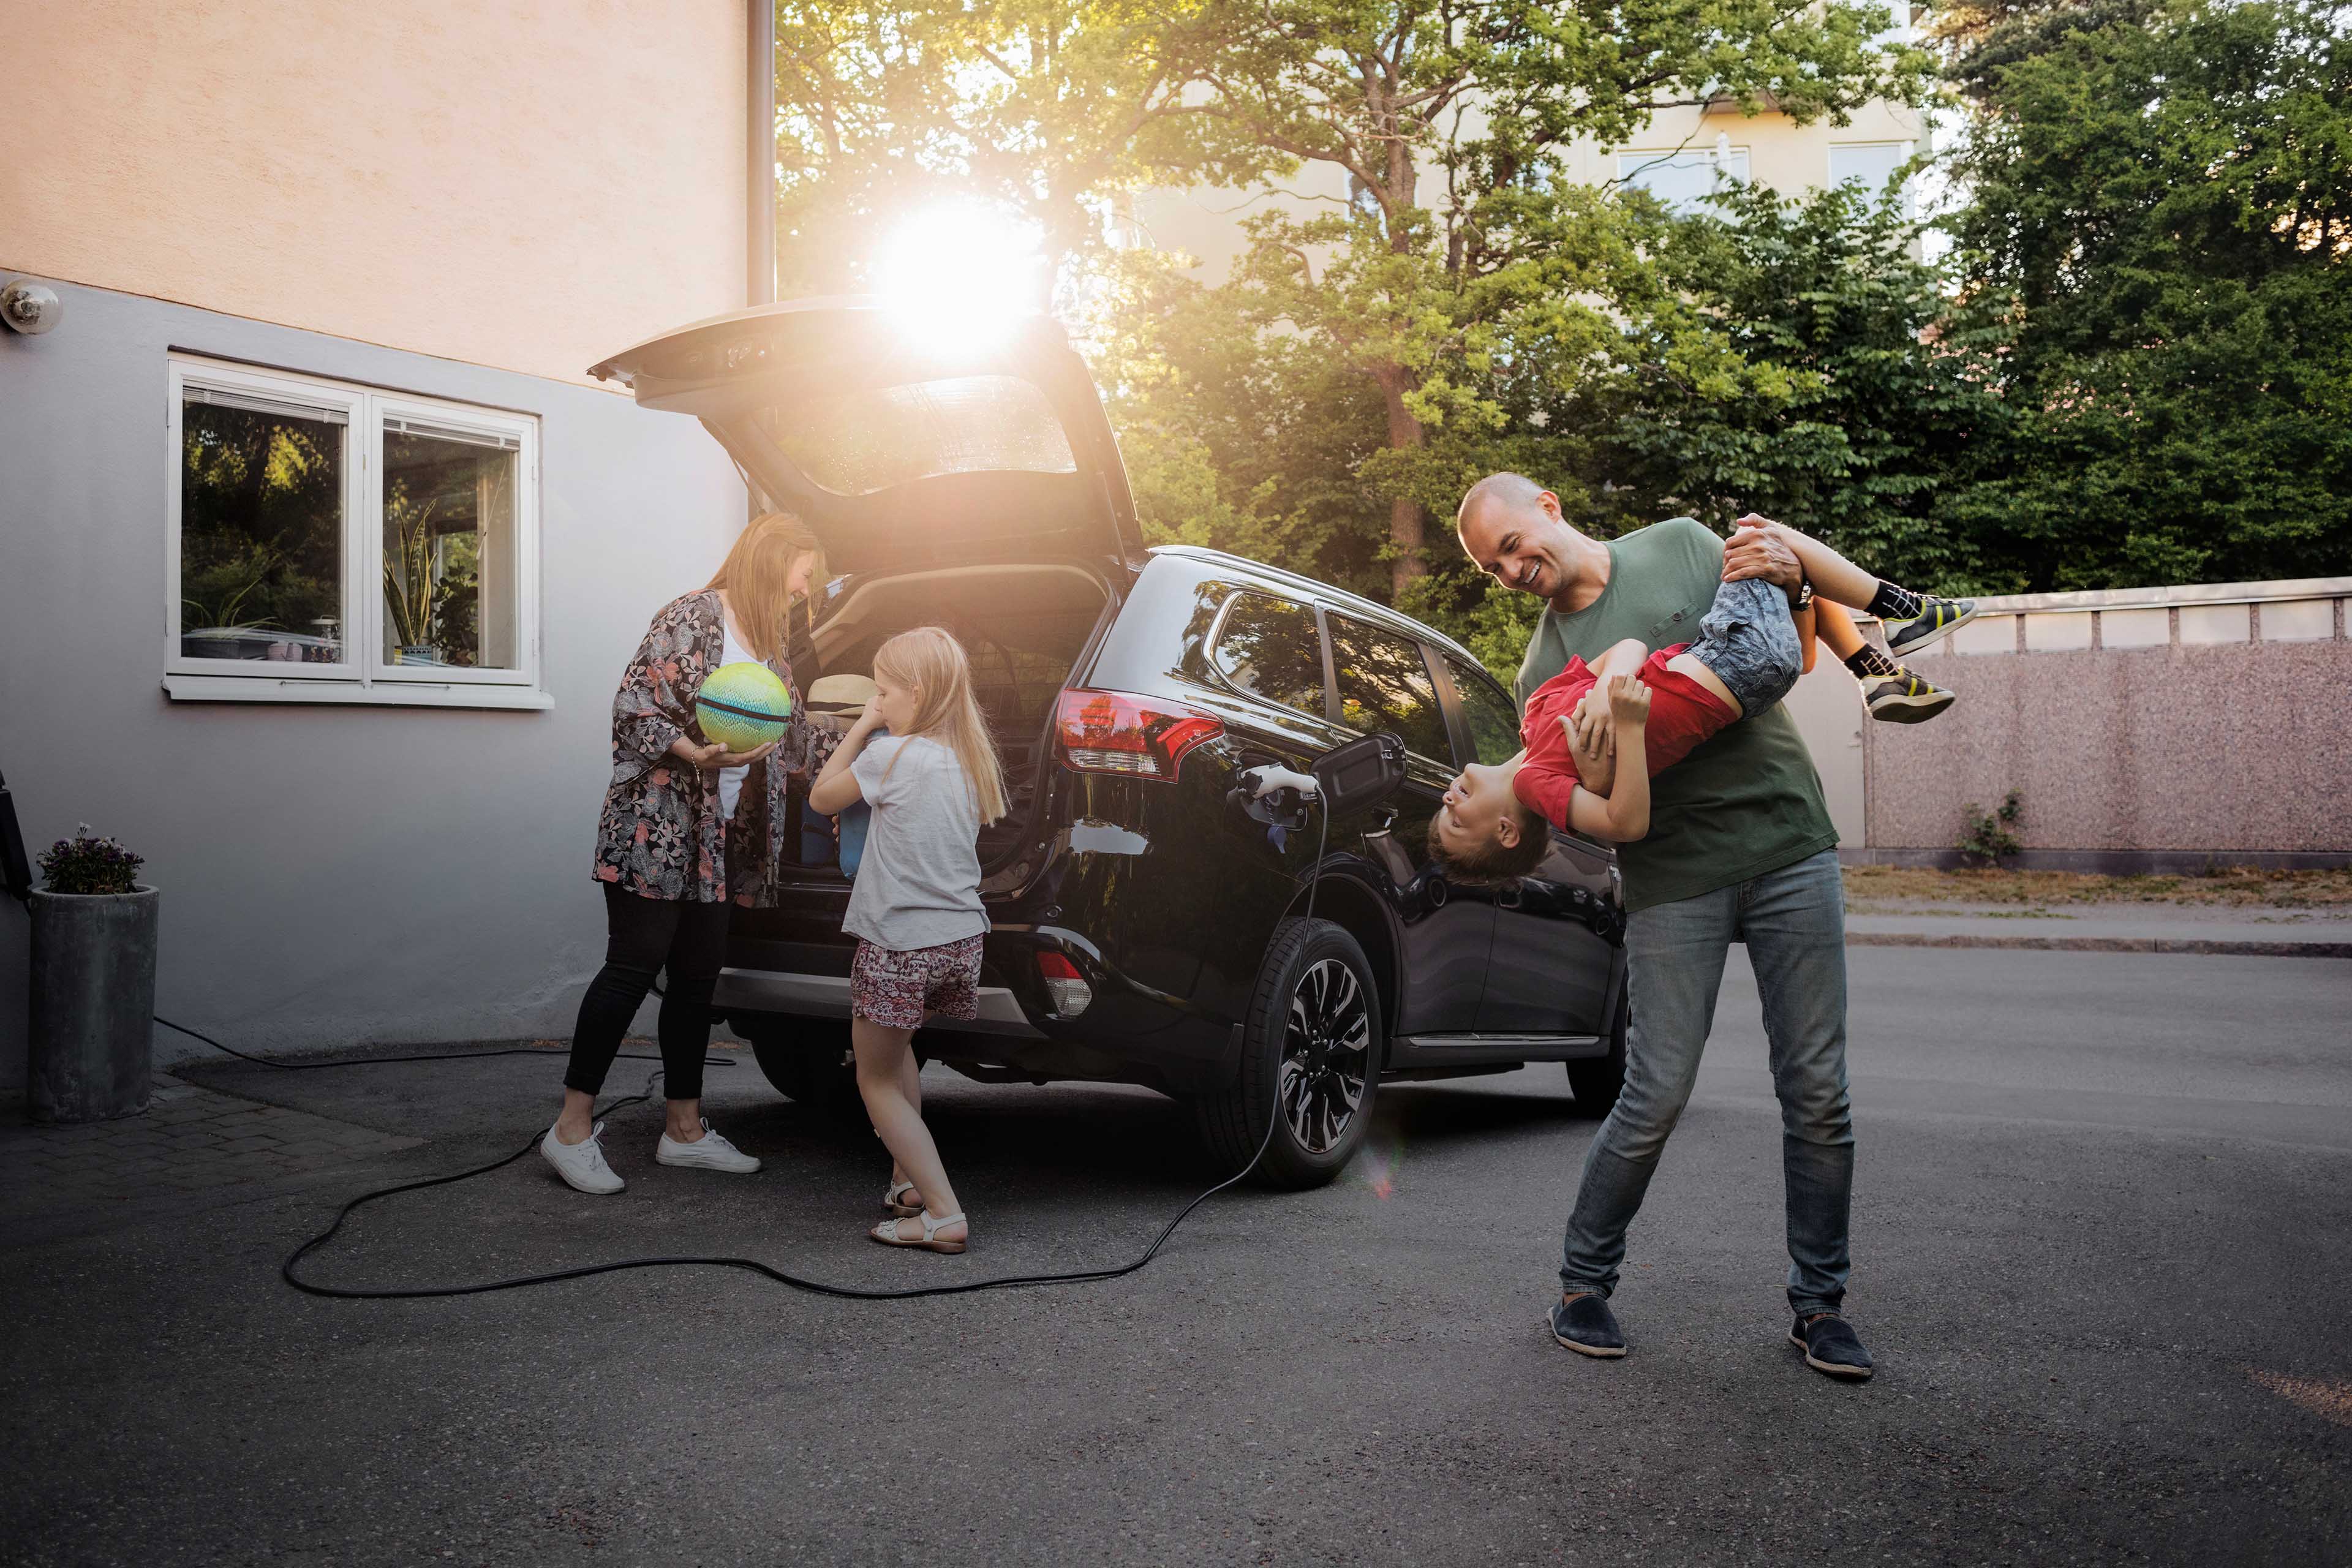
(287, 1270)
(708, 1061)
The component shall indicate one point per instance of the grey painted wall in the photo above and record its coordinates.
(330, 874)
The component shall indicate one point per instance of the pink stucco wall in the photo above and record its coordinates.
(527, 185)
(2243, 747)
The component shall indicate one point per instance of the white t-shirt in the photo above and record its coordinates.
(731, 780)
(918, 884)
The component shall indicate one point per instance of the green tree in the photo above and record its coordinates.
(1466, 277)
(2159, 225)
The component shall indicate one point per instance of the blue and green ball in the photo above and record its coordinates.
(742, 706)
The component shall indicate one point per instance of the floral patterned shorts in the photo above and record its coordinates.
(898, 989)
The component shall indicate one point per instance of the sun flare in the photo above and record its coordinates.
(959, 275)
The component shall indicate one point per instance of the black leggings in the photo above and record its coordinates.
(646, 935)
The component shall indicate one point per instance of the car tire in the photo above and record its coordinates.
(807, 1060)
(1596, 1081)
(1313, 1030)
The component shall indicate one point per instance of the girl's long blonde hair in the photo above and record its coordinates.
(758, 573)
(933, 663)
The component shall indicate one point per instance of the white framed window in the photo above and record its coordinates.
(330, 542)
(1872, 164)
(1682, 179)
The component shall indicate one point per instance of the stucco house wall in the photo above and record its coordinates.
(470, 204)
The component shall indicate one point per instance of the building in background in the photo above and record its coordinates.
(320, 555)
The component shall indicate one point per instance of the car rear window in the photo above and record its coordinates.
(1384, 684)
(873, 439)
(1269, 648)
(1494, 722)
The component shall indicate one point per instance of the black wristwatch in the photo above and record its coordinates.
(1804, 596)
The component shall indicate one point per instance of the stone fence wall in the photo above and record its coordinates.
(2143, 728)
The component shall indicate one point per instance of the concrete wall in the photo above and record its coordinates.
(329, 874)
(523, 184)
(2162, 722)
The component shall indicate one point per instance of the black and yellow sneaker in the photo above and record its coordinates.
(1937, 618)
(1903, 697)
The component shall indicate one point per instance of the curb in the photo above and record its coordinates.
(2108, 944)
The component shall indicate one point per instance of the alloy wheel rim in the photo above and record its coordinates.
(1326, 1045)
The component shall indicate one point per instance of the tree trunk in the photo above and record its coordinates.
(1407, 522)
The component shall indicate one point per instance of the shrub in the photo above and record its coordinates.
(88, 864)
(1992, 834)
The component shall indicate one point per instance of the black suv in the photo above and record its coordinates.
(1147, 910)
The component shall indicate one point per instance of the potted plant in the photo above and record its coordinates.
(90, 1042)
(413, 589)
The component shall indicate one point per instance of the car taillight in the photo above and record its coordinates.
(1142, 737)
(1065, 986)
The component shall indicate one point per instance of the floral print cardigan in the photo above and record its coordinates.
(660, 835)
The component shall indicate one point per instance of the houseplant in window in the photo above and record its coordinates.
(414, 591)
(90, 1044)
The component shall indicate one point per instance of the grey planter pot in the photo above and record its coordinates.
(91, 1007)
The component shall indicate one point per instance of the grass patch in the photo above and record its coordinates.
(2235, 887)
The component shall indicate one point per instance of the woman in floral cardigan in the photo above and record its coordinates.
(688, 829)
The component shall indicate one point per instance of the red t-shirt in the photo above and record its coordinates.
(1681, 714)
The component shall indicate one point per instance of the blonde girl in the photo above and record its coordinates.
(934, 781)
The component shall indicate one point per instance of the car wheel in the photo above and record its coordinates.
(1596, 1081)
(1310, 1060)
(807, 1060)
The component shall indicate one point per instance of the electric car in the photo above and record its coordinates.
(1150, 906)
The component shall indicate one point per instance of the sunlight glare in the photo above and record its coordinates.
(959, 276)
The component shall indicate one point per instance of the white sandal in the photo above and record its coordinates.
(900, 1210)
(887, 1233)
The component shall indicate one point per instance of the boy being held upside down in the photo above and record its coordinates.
(1573, 773)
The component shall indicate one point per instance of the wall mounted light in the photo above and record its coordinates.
(30, 308)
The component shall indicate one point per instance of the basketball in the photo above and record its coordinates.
(742, 706)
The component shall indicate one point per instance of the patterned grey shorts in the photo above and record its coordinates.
(1750, 640)
(898, 989)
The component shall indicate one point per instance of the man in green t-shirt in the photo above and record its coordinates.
(1740, 848)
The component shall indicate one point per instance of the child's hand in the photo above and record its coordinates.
(1589, 726)
(1629, 700)
(1591, 749)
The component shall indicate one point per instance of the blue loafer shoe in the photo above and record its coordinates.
(1588, 1327)
(1831, 1346)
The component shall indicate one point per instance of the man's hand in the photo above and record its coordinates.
(1758, 550)
(1596, 762)
(1590, 727)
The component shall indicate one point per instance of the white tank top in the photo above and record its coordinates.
(731, 780)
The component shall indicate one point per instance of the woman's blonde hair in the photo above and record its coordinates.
(758, 573)
(933, 663)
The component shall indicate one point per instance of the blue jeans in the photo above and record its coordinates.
(1793, 922)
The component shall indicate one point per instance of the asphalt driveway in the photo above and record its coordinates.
(2103, 1239)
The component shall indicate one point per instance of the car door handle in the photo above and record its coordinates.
(1383, 818)
(1508, 898)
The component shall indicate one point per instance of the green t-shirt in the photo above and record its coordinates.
(1746, 801)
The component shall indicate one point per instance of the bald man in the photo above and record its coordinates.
(1740, 848)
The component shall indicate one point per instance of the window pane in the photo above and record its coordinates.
(449, 588)
(1682, 179)
(871, 440)
(1384, 685)
(1269, 648)
(1494, 722)
(1873, 163)
(261, 533)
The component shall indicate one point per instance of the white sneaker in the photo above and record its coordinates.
(581, 1164)
(707, 1152)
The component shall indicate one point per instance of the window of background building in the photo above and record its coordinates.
(361, 542)
(1682, 180)
(1385, 685)
(1872, 164)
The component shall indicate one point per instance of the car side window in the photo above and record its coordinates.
(1494, 722)
(1269, 648)
(1384, 684)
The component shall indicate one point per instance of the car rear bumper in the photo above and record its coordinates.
(827, 996)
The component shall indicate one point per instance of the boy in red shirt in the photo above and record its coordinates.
(1750, 649)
